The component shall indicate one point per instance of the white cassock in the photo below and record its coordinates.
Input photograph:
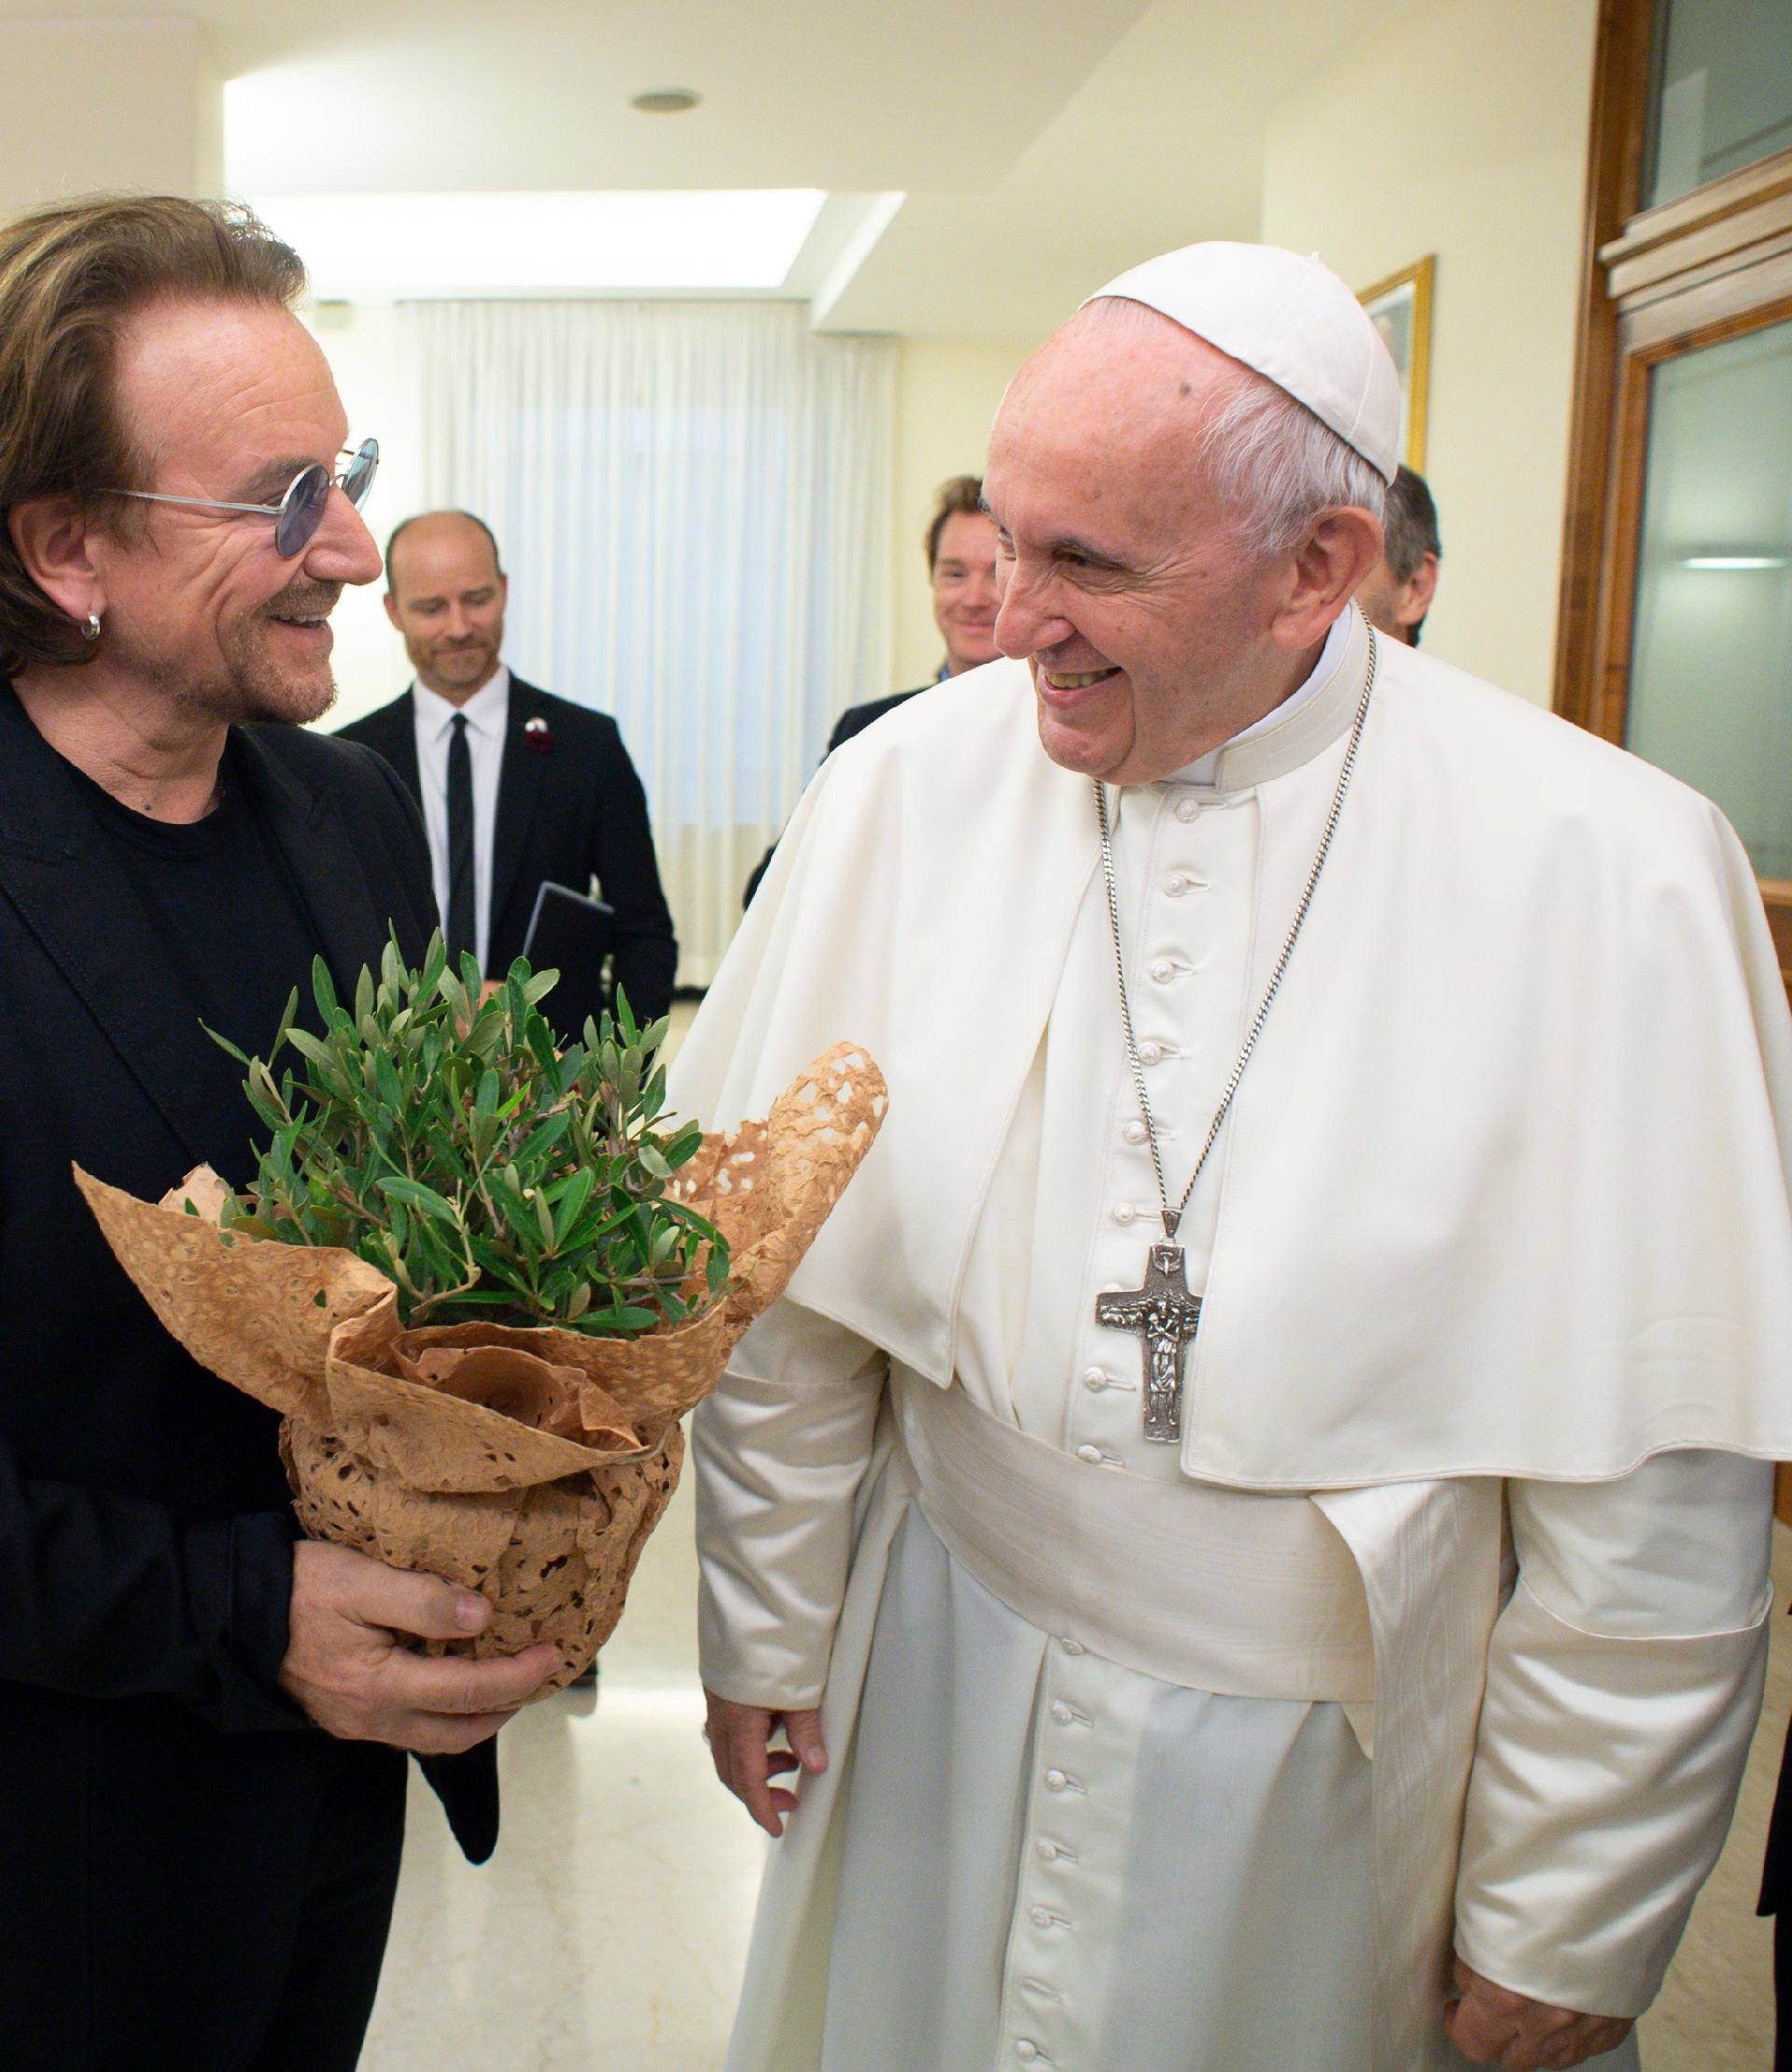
(1443, 1626)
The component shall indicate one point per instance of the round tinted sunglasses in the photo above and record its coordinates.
(297, 514)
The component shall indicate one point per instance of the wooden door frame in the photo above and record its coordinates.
(1655, 283)
(1648, 338)
(1614, 180)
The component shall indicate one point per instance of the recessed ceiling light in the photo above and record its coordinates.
(666, 101)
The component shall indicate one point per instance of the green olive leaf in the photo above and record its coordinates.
(484, 1166)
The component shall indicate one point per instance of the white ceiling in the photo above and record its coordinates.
(1162, 144)
(1042, 143)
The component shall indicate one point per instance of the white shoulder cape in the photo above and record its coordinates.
(1505, 1189)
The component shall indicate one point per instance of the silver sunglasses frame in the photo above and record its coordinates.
(369, 450)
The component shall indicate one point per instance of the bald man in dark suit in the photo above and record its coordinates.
(545, 789)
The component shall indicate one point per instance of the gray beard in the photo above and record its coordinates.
(243, 688)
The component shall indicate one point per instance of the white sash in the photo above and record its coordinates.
(1214, 1590)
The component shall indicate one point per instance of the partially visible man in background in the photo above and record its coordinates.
(193, 1876)
(518, 788)
(961, 564)
(1398, 591)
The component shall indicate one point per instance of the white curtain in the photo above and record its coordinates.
(694, 504)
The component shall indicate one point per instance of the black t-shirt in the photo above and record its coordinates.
(223, 903)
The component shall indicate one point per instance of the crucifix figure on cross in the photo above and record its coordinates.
(1164, 1317)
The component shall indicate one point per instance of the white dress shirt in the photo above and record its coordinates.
(488, 714)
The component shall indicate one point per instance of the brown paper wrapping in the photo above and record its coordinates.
(529, 1464)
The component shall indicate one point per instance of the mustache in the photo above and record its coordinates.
(303, 601)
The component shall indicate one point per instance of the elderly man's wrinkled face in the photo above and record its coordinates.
(228, 401)
(1142, 618)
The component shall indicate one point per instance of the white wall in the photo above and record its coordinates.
(361, 343)
(1460, 128)
(91, 104)
(947, 394)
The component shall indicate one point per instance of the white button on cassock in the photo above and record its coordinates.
(1135, 1132)
(1071, 1646)
(1175, 884)
(1091, 1454)
(1095, 1378)
(1049, 1851)
(1150, 1054)
(1039, 1916)
(1062, 1713)
(1162, 971)
(1124, 1211)
(1026, 2050)
(1055, 1780)
(1187, 808)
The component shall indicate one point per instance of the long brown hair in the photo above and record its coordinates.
(69, 275)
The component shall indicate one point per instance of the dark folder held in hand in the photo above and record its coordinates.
(574, 934)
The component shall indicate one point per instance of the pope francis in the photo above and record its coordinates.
(1249, 1528)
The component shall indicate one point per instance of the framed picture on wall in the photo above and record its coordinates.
(1400, 307)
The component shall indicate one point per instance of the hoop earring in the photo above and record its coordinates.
(91, 631)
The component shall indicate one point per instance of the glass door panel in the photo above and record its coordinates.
(1710, 667)
(1721, 92)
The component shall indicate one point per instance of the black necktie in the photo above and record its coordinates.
(463, 928)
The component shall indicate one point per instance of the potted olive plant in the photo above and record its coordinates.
(481, 1275)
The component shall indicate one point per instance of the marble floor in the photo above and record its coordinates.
(608, 1933)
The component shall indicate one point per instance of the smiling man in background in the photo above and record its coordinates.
(202, 1797)
(961, 575)
(517, 786)
(961, 571)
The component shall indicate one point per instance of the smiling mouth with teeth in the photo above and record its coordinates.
(1082, 683)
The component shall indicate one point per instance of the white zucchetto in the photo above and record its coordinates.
(1290, 319)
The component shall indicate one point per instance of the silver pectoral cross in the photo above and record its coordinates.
(1164, 1317)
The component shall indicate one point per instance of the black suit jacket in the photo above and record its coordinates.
(145, 1528)
(567, 812)
(857, 718)
(854, 720)
(1776, 1874)
(1776, 1899)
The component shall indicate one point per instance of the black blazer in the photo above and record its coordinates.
(1777, 1898)
(1776, 1875)
(857, 718)
(145, 1528)
(566, 811)
(854, 720)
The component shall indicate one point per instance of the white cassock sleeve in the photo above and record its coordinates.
(780, 1450)
(1623, 1686)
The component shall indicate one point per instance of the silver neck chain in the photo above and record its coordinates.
(1173, 1217)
